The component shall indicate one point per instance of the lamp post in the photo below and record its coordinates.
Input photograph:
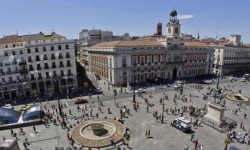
(134, 86)
(58, 99)
(115, 93)
(218, 81)
(163, 108)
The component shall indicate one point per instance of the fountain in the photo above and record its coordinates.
(98, 132)
(237, 98)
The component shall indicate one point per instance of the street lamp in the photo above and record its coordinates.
(218, 81)
(115, 93)
(163, 108)
(58, 99)
(134, 85)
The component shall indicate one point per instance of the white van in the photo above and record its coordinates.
(182, 124)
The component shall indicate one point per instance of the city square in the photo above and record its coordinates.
(151, 75)
(163, 135)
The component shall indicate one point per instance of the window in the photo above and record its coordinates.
(62, 73)
(17, 78)
(47, 74)
(67, 46)
(52, 48)
(37, 58)
(36, 50)
(169, 30)
(28, 50)
(29, 59)
(134, 61)
(10, 79)
(44, 49)
(21, 51)
(31, 68)
(40, 75)
(13, 53)
(69, 72)
(6, 53)
(59, 47)
(124, 61)
(3, 79)
(176, 30)
(38, 66)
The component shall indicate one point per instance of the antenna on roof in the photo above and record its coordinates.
(16, 32)
(217, 33)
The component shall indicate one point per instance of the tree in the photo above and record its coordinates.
(227, 141)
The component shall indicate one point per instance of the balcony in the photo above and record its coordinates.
(62, 74)
(124, 65)
(32, 69)
(45, 58)
(69, 74)
(7, 64)
(55, 75)
(22, 63)
(60, 57)
(68, 64)
(39, 68)
(14, 62)
(61, 65)
(67, 56)
(23, 71)
(40, 77)
(33, 78)
(1, 64)
(53, 66)
(38, 59)
(53, 57)
(46, 67)
(141, 64)
(2, 73)
(30, 60)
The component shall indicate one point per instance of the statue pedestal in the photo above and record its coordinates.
(214, 116)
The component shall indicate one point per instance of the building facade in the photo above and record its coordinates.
(231, 60)
(151, 58)
(36, 64)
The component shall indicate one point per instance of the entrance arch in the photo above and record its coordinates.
(174, 73)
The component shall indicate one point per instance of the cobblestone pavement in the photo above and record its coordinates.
(163, 135)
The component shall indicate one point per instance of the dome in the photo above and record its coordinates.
(32, 113)
(9, 116)
(173, 13)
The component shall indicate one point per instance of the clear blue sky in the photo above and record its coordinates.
(137, 17)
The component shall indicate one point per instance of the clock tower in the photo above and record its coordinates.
(173, 30)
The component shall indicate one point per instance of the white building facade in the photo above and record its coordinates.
(151, 58)
(231, 60)
(36, 64)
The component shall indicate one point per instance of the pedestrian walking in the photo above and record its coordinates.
(192, 137)
(245, 115)
(148, 132)
(34, 128)
(147, 108)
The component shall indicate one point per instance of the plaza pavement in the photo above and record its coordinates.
(164, 136)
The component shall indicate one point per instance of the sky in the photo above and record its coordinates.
(137, 17)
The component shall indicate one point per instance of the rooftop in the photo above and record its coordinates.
(129, 43)
(29, 37)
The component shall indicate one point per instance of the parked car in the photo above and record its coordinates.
(81, 101)
(8, 106)
(140, 91)
(243, 80)
(24, 108)
(182, 124)
(97, 91)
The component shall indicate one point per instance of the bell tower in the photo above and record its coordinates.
(173, 29)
